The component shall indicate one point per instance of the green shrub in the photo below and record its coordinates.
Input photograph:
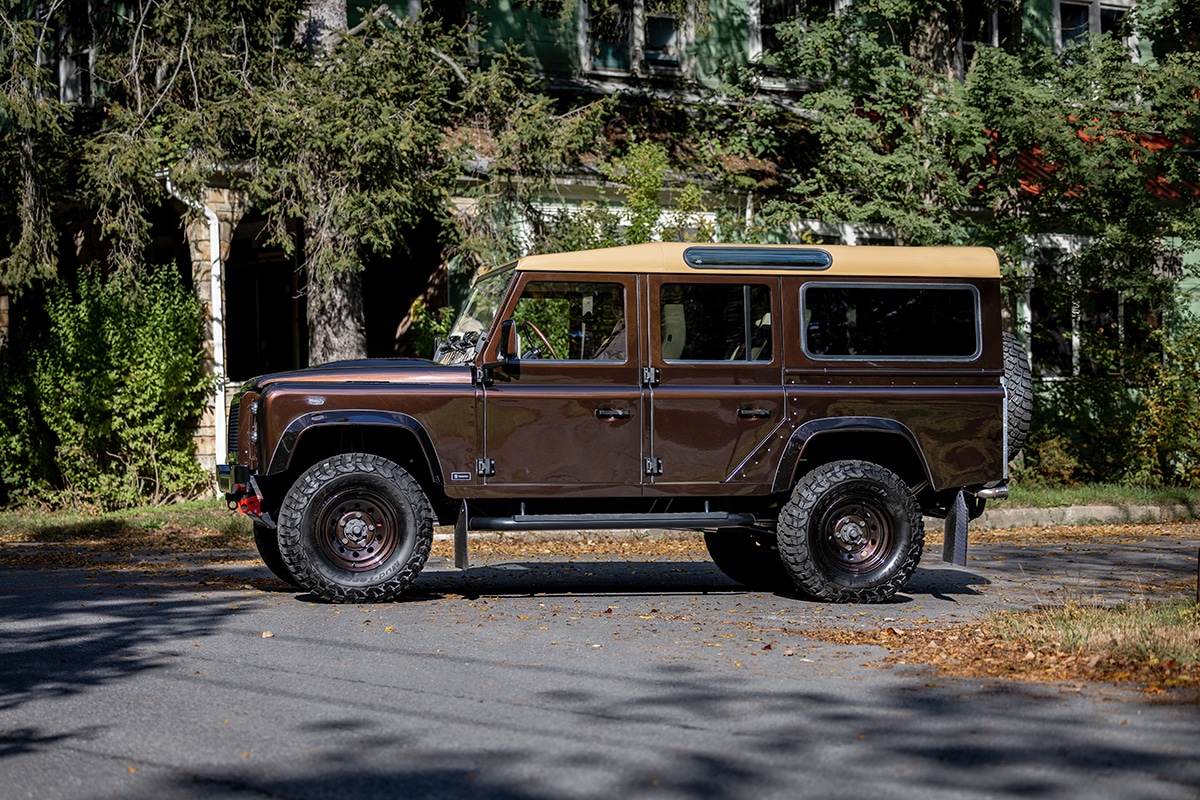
(1165, 445)
(103, 394)
(1081, 431)
(1132, 427)
(429, 325)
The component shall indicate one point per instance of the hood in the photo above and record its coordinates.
(369, 370)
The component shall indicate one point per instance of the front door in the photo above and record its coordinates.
(567, 412)
(716, 392)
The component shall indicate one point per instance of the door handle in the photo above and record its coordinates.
(754, 413)
(613, 413)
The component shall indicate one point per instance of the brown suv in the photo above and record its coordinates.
(803, 406)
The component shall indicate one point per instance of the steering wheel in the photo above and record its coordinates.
(540, 335)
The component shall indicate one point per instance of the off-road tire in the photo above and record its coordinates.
(267, 541)
(872, 508)
(1019, 380)
(750, 557)
(355, 528)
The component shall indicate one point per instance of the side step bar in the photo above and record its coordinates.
(552, 522)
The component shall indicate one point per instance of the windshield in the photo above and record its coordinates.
(474, 318)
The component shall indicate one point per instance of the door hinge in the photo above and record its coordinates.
(650, 376)
(654, 466)
(485, 467)
(482, 376)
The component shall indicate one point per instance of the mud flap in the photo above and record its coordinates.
(954, 547)
(460, 538)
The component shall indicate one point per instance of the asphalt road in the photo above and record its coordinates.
(538, 678)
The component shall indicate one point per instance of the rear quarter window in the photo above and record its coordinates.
(891, 322)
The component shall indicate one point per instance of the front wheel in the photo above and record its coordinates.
(355, 528)
(851, 533)
(267, 541)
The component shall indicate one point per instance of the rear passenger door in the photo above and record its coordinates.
(713, 381)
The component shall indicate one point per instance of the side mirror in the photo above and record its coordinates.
(506, 348)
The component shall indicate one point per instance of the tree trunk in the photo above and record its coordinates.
(935, 40)
(333, 300)
(316, 29)
(4, 324)
(336, 322)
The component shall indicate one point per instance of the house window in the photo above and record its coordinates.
(981, 28)
(67, 54)
(764, 18)
(1076, 19)
(632, 36)
(1064, 318)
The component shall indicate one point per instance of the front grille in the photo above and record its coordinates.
(235, 412)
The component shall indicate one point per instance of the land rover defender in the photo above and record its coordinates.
(803, 406)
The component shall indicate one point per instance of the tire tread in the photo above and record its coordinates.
(797, 515)
(291, 528)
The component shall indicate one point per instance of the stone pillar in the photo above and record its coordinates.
(229, 205)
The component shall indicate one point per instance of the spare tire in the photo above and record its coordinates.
(1019, 381)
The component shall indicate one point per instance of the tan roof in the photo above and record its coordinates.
(667, 257)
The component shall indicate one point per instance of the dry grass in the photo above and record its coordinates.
(1156, 645)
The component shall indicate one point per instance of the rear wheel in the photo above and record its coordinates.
(355, 528)
(851, 533)
(750, 557)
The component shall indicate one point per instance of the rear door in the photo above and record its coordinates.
(714, 383)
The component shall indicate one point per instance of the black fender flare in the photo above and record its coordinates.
(808, 430)
(281, 459)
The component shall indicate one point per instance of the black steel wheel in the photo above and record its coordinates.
(1019, 381)
(355, 528)
(851, 533)
(750, 557)
(267, 541)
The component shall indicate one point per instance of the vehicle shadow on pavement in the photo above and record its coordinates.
(524, 578)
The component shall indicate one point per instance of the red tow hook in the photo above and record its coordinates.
(250, 505)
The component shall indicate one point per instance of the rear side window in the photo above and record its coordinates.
(715, 322)
(893, 322)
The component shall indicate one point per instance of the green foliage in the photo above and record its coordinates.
(429, 325)
(1041, 142)
(1165, 445)
(517, 143)
(351, 143)
(1102, 428)
(1170, 25)
(34, 147)
(1080, 431)
(100, 412)
(641, 172)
